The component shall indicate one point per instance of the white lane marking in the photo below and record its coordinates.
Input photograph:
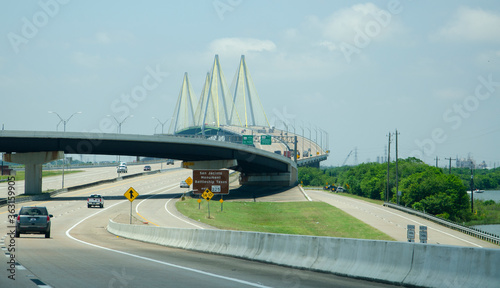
(157, 190)
(166, 208)
(154, 260)
(431, 228)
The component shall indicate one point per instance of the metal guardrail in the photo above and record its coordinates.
(495, 239)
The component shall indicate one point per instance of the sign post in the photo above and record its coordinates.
(423, 234)
(410, 233)
(207, 194)
(131, 194)
(188, 181)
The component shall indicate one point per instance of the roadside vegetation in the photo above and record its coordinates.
(425, 188)
(301, 218)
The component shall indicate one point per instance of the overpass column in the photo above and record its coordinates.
(33, 167)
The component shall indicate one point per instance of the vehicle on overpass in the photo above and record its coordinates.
(95, 200)
(122, 169)
(147, 168)
(170, 161)
(184, 184)
(33, 220)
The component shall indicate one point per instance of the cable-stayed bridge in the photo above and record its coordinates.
(225, 128)
(232, 113)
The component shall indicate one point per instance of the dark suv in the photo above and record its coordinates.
(33, 220)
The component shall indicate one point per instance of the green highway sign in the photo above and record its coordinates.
(265, 140)
(248, 139)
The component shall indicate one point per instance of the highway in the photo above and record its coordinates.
(81, 253)
(88, 175)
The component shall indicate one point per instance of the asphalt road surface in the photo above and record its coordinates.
(81, 253)
(87, 175)
(394, 222)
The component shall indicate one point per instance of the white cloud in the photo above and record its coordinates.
(103, 38)
(328, 45)
(470, 25)
(85, 60)
(240, 46)
(345, 24)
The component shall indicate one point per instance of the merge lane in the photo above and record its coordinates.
(393, 222)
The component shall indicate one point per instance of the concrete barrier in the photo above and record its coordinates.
(401, 263)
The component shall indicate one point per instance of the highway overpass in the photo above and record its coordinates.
(257, 166)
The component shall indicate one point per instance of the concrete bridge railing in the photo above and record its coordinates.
(400, 263)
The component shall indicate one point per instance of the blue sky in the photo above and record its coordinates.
(357, 70)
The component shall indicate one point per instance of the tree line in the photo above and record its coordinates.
(423, 187)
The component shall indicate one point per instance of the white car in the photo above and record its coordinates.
(121, 169)
(184, 184)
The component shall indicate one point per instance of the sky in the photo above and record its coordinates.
(358, 71)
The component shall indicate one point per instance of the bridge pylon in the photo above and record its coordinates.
(246, 100)
(184, 115)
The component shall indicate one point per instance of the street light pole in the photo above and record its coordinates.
(161, 123)
(120, 127)
(64, 125)
(62, 120)
(119, 130)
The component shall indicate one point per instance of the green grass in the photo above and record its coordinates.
(374, 201)
(301, 218)
(20, 174)
(487, 212)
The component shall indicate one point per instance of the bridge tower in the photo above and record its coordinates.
(246, 100)
(219, 97)
(202, 104)
(184, 116)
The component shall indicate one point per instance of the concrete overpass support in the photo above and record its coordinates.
(271, 179)
(259, 179)
(33, 162)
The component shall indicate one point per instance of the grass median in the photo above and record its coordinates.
(301, 218)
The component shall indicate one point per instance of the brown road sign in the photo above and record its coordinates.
(217, 181)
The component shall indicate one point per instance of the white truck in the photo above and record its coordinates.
(122, 169)
(95, 200)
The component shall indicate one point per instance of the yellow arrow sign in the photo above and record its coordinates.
(131, 194)
(189, 180)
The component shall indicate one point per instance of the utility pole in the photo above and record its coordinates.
(397, 184)
(450, 163)
(471, 189)
(437, 161)
(355, 155)
(388, 163)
